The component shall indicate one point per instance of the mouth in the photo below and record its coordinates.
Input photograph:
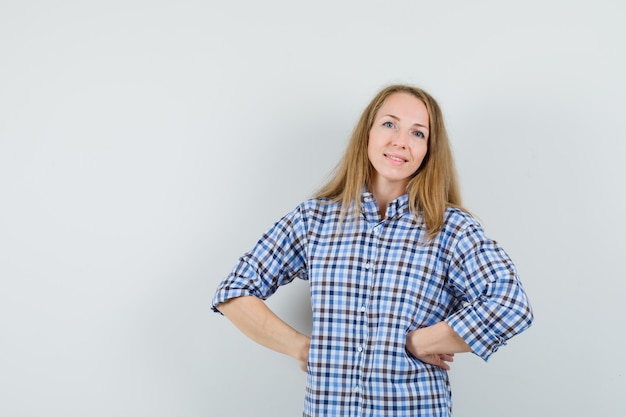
(395, 158)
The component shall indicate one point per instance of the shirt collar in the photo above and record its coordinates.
(396, 208)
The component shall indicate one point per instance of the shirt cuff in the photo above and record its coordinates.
(225, 295)
(468, 324)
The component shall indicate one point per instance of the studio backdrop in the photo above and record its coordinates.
(145, 145)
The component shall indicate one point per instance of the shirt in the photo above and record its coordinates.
(372, 281)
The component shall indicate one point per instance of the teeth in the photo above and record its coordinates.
(395, 158)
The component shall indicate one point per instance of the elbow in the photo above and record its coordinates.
(520, 320)
(228, 305)
(529, 316)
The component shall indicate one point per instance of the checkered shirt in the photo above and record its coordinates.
(372, 282)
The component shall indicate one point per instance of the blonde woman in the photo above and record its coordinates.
(401, 276)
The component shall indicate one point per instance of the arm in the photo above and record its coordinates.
(494, 306)
(436, 344)
(252, 316)
(277, 258)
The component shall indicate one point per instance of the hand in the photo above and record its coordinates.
(438, 359)
(419, 343)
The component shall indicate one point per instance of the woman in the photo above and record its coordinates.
(401, 276)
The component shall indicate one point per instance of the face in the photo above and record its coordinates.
(398, 140)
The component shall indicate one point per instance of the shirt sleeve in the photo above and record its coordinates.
(494, 304)
(276, 259)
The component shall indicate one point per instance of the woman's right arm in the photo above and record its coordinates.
(252, 316)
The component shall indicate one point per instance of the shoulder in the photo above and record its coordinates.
(319, 206)
(458, 219)
(459, 225)
(311, 211)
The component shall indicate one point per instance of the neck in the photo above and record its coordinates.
(386, 193)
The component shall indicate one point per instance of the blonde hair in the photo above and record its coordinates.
(433, 187)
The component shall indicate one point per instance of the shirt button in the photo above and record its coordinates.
(367, 265)
(356, 388)
(363, 309)
(359, 349)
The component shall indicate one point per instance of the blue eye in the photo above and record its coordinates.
(388, 124)
(418, 134)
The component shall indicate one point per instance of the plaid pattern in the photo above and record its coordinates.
(372, 282)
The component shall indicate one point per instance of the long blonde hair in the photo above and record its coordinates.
(434, 186)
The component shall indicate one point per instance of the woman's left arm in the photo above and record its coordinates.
(436, 344)
(494, 304)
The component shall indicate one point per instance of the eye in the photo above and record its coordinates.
(418, 134)
(388, 124)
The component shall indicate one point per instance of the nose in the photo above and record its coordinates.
(399, 139)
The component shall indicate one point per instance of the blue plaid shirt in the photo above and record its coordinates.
(373, 281)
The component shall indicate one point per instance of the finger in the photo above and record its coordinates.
(441, 361)
(443, 365)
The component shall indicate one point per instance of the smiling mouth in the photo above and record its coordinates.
(395, 158)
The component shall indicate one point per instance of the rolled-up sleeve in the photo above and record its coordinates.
(494, 305)
(276, 259)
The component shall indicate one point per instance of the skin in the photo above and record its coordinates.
(252, 316)
(398, 142)
(397, 145)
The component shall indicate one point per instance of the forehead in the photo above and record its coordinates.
(406, 107)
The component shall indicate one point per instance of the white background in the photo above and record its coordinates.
(144, 145)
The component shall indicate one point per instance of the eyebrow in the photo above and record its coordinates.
(397, 118)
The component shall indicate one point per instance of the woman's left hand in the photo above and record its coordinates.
(426, 343)
(438, 359)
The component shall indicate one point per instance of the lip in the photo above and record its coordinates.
(396, 158)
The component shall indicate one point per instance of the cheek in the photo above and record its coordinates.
(371, 145)
(371, 157)
(420, 151)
